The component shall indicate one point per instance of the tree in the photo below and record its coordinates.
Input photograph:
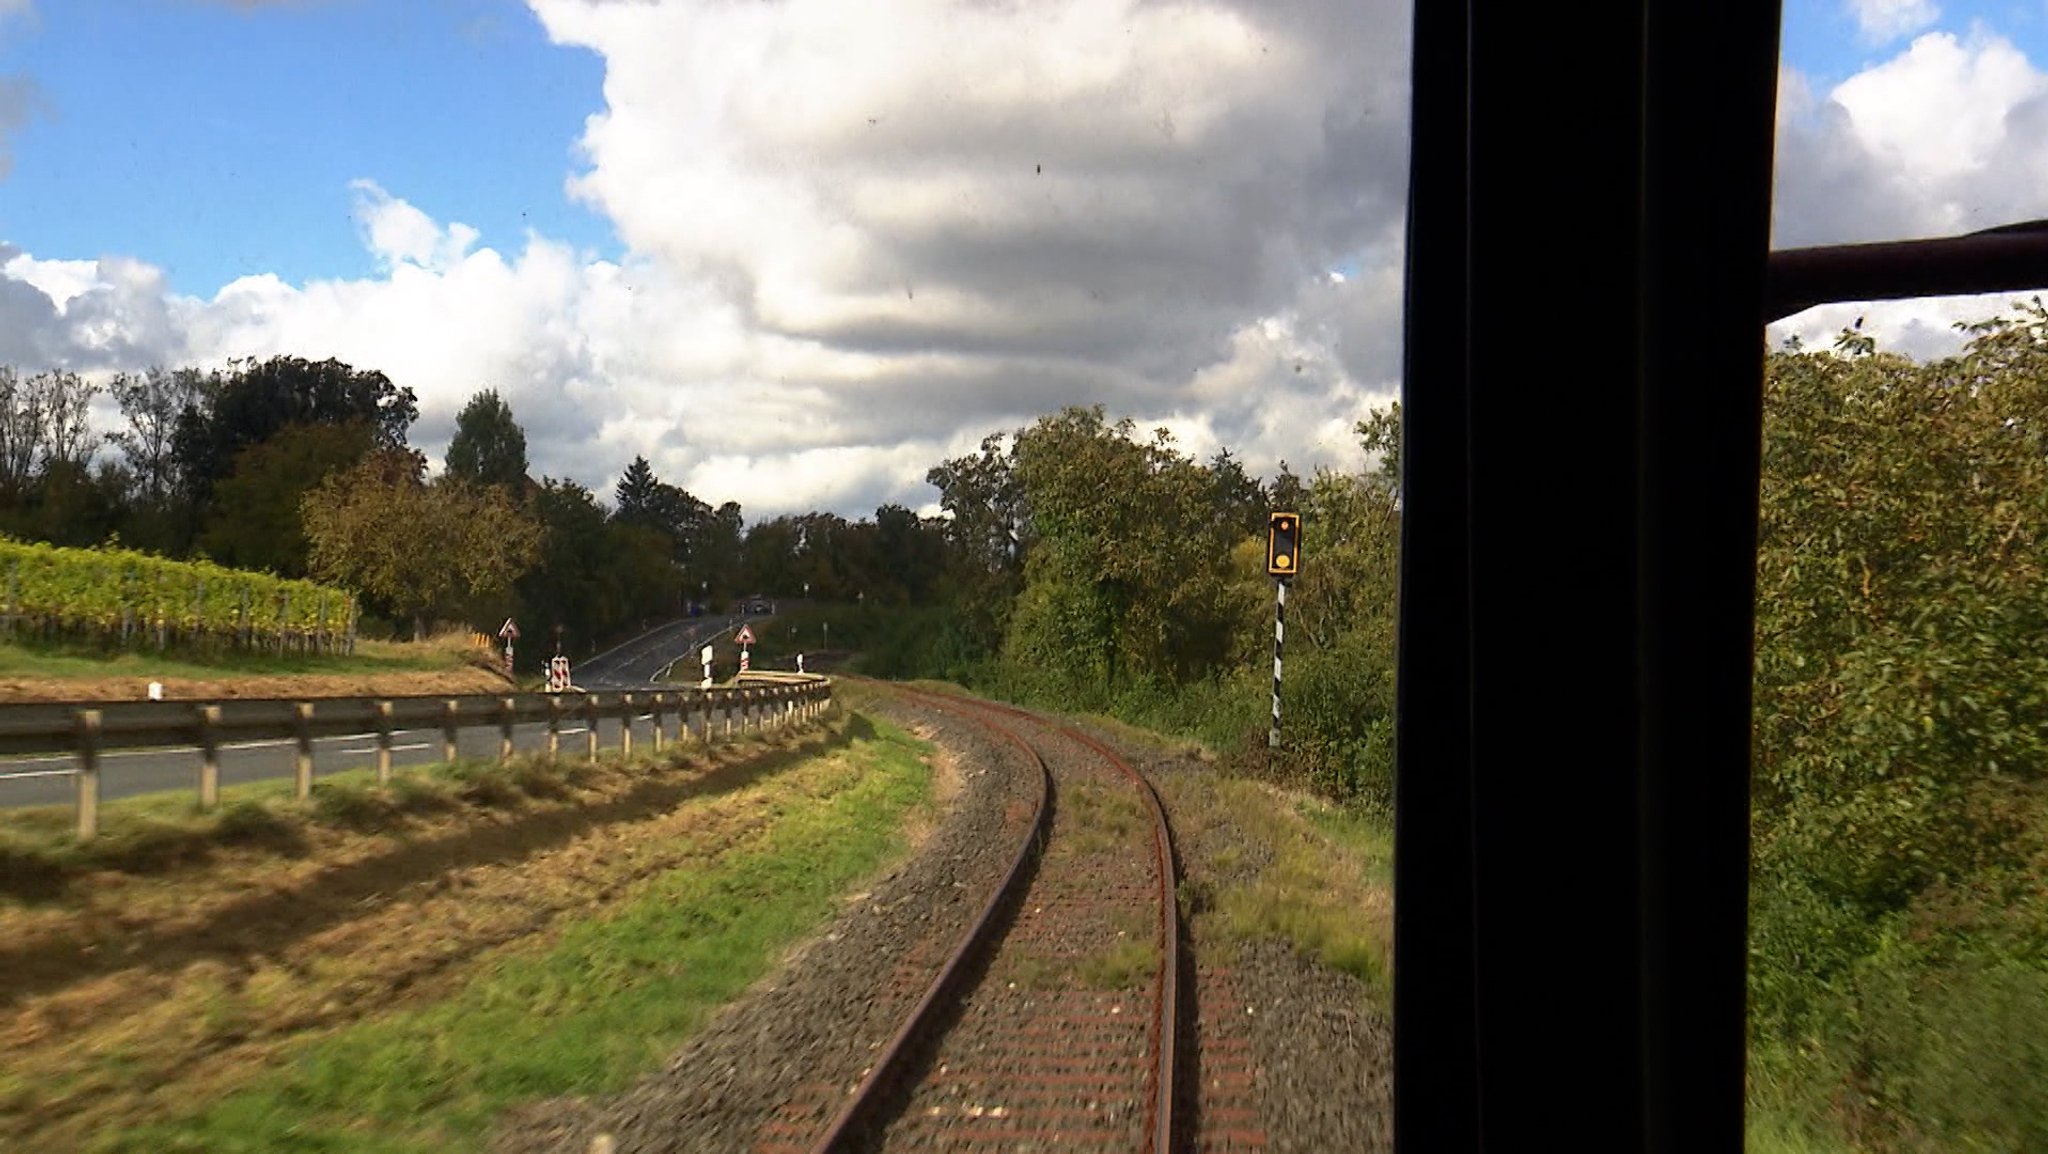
(43, 423)
(21, 429)
(255, 520)
(1902, 610)
(1286, 493)
(489, 447)
(572, 584)
(67, 429)
(418, 548)
(256, 400)
(152, 404)
(987, 530)
(1131, 567)
(910, 552)
(636, 493)
(1381, 435)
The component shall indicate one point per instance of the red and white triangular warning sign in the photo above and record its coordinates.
(746, 635)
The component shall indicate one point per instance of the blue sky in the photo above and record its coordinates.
(1822, 39)
(217, 141)
(1098, 201)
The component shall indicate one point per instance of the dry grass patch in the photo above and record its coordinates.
(139, 992)
(1265, 863)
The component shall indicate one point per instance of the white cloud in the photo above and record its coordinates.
(1948, 136)
(1883, 21)
(861, 236)
(399, 234)
(1941, 110)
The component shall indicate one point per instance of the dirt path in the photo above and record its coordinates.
(395, 684)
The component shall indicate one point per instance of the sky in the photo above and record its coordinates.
(796, 252)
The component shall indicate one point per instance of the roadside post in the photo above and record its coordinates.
(706, 655)
(744, 638)
(1283, 560)
(510, 633)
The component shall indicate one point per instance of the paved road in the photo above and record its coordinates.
(48, 780)
(642, 660)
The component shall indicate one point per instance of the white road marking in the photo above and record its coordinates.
(373, 749)
(39, 773)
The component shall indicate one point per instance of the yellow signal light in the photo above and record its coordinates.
(1283, 544)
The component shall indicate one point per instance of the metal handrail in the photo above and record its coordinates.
(87, 729)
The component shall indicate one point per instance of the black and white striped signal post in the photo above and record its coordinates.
(1283, 560)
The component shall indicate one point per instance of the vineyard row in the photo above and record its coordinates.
(122, 599)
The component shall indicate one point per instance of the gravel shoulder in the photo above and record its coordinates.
(1317, 1041)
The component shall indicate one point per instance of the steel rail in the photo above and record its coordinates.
(1166, 1010)
(867, 1097)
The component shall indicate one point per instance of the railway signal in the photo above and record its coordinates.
(1283, 561)
(1283, 544)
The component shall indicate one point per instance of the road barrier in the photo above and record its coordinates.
(88, 730)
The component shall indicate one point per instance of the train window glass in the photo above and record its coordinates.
(1899, 898)
(978, 341)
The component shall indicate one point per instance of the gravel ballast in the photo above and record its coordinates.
(772, 1067)
(1279, 1053)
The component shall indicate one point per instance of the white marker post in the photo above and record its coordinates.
(706, 655)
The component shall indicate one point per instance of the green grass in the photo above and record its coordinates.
(1367, 836)
(1122, 966)
(156, 832)
(601, 1004)
(80, 664)
(1316, 889)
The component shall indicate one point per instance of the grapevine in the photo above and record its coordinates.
(123, 599)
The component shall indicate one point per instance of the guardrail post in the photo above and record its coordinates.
(383, 743)
(303, 724)
(591, 717)
(88, 774)
(554, 726)
(449, 717)
(508, 706)
(626, 725)
(659, 700)
(728, 711)
(209, 756)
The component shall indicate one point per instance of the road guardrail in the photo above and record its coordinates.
(87, 729)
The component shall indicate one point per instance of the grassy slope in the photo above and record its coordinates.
(370, 657)
(598, 1004)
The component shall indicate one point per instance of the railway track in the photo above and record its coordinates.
(1051, 1024)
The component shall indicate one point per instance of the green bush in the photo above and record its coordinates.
(1958, 1053)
